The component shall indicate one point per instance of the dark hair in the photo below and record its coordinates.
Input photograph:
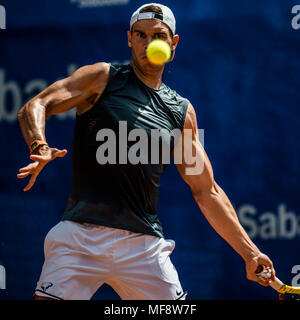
(155, 9)
(152, 8)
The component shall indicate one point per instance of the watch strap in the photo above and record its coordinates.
(36, 144)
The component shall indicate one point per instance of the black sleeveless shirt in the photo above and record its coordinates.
(108, 189)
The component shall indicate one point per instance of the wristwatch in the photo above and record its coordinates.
(36, 144)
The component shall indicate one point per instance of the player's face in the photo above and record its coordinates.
(142, 33)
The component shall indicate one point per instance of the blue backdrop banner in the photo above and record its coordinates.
(237, 62)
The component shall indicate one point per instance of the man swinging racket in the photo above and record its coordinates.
(110, 232)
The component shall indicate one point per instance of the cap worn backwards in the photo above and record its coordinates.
(166, 17)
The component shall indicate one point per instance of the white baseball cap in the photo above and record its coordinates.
(166, 17)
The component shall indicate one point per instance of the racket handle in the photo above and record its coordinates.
(276, 284)
(263, 273)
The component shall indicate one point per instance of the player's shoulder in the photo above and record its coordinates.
(183, 105)
(174, 94)
(190, 117)
(95, 69)
(179, 102)
(94, 76)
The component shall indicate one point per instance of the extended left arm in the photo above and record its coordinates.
(214, 203)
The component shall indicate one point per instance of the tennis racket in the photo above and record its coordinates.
(278, 285)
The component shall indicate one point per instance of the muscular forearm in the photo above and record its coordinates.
(32, 121)
(220, 213)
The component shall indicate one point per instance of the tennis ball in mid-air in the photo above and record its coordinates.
(158, 52)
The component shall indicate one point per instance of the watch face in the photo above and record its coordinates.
(34, 144)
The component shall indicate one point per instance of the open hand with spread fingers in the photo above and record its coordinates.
(43, 155)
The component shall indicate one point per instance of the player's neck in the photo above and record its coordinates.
(151, 78)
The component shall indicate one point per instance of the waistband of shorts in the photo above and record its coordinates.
(99, 226)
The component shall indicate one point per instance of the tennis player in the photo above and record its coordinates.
(110, 232)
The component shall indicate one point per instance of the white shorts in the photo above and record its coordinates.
(80, 258)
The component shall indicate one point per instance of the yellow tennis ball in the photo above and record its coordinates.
(158, 52)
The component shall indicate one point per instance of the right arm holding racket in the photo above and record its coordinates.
(80, 90)
(216, 206)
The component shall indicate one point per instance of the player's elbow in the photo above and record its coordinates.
(22, 113)
(206, 192)
(28, 109)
